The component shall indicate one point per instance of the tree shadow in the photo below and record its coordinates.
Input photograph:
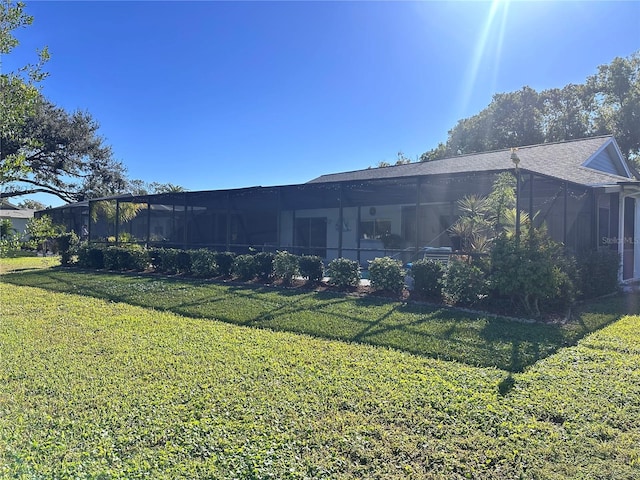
(445, 333)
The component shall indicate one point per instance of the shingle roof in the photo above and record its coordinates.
(562, 160)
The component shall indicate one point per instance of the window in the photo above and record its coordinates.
(375, 228)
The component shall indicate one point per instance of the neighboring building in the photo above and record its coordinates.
(18, 216)
(583, 190)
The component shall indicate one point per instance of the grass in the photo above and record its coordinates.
(473, 338)
(27, 262)
(91, 388)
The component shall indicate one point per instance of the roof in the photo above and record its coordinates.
(20, 213)
(562, 160)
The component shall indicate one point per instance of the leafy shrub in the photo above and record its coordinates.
(464, 283)
(224, 260)
(344, 272)
(170, 260)
(264, 264)
(285, 266)
(531, 271)
(427, 276)
(311, 267)
(67, 244)
(386, 273)
(183, 261)
(130, 257)
(90, 256)
(203, 263)
(244, 267)
(156, 255)
(598, 273)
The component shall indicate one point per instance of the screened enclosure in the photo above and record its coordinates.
(360, 220)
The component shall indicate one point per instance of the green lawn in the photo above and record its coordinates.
(97, 388)
(473, 338)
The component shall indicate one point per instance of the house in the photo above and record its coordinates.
(583, 190)
(18, 216)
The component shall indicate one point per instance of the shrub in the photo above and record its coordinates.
(598, 273)
(244, 267)
(156, 255)
(67, 244)
(532, 271)
(183, 261)
(386, 273)
(90, 256)
(344, 272)
(285, 266)
(311, 267)
(203, 263)
(427, 276)
(130, 257)
(264, 264)
(464, 283)
(224, 260)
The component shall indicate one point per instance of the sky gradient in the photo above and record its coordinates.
(212, 95)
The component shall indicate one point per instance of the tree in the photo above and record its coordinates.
(32, 204)
(19, 92)
(62, 155)
(607, 103)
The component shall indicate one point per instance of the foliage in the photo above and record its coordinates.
(599, 273)
(529, 270)
(129, 257)
(464, 283)
(203, 263)
(343, 272)
(31, 204)
(264, 264)
(67, 244)
(224, 260)
(170, 260)
(285, 266)
(427, 277)
(608, 102)
(41, 230)
(19, 90)
(63, 155)
(9, 239)
(311, 267)
(90, 256)
(244, 267)
(129, 392)
(385, 273)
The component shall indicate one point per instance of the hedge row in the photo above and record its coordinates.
(530, 276)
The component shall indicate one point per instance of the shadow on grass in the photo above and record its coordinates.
(428, 330)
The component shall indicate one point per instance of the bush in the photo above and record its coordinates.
(344, 272)
(598, 273)
(311, 267)
(170, 260)
(427, 276)
(183, 261)
(90, 256)
(67, 245)
(244, 267)
(533, 271)
(285, 266)
(224, 260)
(203, 263)
(131, 257)
(264, 264)
(385, 273)
(464, 284)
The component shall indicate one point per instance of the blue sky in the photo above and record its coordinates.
(212, 95)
